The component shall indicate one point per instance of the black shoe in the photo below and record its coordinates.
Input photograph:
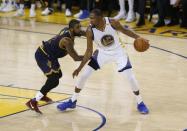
(172, 23)
(140, 22)
(159, 24)
(183, 25)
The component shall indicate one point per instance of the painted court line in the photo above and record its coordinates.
(103, 118)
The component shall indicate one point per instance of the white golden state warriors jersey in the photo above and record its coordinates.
(108, 39)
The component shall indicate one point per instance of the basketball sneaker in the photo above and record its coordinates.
(32, 13)
(142, 108)
(78, 14)
(19, 12)
(120, 15)
(68, 12)
(130, 17)
(47, 11)
(84, 15)
(67, 105)
(3, 5)
(8, 8)
(33, 105)
(46, 99)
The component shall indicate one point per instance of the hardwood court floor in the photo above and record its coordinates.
(161, 72)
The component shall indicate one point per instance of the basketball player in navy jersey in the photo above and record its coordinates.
(47, 56)
(103, 31)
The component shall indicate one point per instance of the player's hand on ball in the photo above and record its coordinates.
(141, 44)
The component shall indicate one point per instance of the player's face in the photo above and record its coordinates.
(94, 20)
(77, 28)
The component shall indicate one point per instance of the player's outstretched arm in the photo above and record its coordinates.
(88, 52)
(119, 27)
(69, 45)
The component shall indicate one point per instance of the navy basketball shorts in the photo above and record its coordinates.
(47, 65)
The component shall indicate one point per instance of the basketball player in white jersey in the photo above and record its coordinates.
(103, 31)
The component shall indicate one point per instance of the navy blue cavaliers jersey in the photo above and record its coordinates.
(52, 48)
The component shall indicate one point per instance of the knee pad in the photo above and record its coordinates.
(53, 80)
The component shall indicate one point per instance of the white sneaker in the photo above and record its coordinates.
(68, 12)
(32, 13)
(46, 11)
(78, 14)
(8, 8)
(3, 5)
(130, 17)
(20, 12)
(121, 15)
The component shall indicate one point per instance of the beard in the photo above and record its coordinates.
(77, 34)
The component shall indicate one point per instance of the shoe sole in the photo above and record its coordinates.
(68, 109)
(144, 113)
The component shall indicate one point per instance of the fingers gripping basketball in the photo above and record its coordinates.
(141, 44)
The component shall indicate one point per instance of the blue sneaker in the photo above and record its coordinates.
(67, 104)
(142, 108)
(85, 14)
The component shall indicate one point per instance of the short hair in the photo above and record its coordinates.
(73, 22)
(97, 12)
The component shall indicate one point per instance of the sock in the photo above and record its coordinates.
(21, 6)
(10, 2)
(32, 6)
(81, 11)
(74, 96)
(38, 96)
(122, 6)
(131, 5)
(138, 98)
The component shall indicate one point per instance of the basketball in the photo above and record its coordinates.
(141, 45)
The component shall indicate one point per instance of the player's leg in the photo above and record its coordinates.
(3, 5)
(94, 64)
(32, 9)
(51, 82)
(131, 14)
(53, 79)
(71, 103)
(49, 10)
(125, 69)
(121, 14)
(53, 73)
(20, 11)
(9, 6)
(68, 8)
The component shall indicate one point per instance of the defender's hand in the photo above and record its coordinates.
(76, 73)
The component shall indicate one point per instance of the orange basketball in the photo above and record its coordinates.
(141, 45)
